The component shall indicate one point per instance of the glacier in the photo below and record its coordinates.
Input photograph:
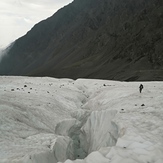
(49, 120)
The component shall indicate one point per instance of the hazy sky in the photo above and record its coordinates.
(18, 16)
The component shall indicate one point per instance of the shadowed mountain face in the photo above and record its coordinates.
(120, 40)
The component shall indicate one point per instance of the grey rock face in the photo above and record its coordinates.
(106, 39)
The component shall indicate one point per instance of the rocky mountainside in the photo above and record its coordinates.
(120, 40)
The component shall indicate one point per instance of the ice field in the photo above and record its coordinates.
(48, 120)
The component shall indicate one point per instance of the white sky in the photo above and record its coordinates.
(19, 16)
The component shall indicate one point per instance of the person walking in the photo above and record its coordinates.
(141, 87)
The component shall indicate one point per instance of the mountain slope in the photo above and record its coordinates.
(107, 39)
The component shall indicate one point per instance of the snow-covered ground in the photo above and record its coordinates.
(47, 120)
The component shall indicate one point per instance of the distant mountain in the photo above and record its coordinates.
(120, 40)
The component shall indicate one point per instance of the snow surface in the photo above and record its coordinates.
(48, 120)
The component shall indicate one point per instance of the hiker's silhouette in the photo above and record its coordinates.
(140, 87)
